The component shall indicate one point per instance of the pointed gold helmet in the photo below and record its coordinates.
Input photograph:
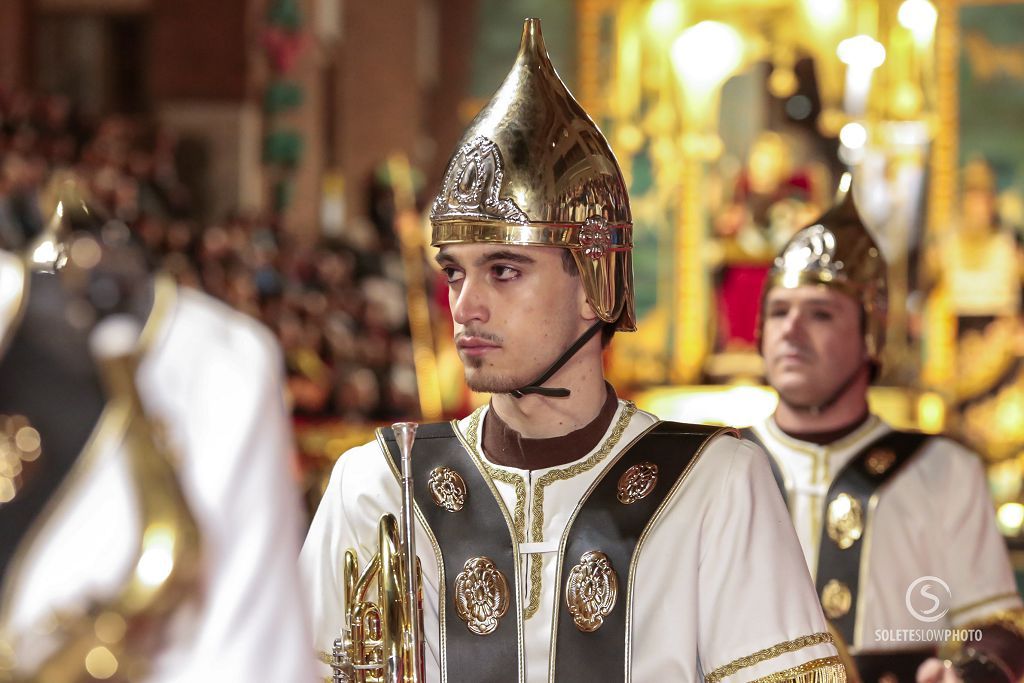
(837, 250)
(533, 169)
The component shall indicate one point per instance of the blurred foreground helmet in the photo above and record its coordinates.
(838, 251)
(533, 169)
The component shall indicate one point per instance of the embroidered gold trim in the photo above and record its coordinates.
(873, 427)
(519, 514)
(824, 670)
(769, 653)
(980, 603)
(677, 486)
(1010, 619)
(517, 583)
(537, 528)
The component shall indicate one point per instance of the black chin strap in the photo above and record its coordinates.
(535, 387)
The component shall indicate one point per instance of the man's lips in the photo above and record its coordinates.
(475, 346)
(793, 357)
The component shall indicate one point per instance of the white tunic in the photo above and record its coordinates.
(719, 578)
(212, 379)
(933, 519)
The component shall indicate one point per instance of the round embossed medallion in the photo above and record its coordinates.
(481, 595)
(591, 590)
(836, 599)
(637, 482)
(845, 522)
(447, 488)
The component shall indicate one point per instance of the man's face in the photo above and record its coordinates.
(812, 343)
(515, 309)
(979, 209)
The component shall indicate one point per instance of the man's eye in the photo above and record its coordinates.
(777, 312)
(452, 274)
(505, 272)
(822, 315)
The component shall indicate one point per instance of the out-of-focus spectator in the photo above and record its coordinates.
(338, 308)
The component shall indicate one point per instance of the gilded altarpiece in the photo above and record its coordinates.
(973, 348)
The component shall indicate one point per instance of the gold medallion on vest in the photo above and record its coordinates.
(591, 590)
(845, 520)
(481, 595)
(447, 488)
(637, 482)
(836, 599)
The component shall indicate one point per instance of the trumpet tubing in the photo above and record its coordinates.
(382, 641)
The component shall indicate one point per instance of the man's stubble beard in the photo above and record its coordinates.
(484, 380)
(486, 383)
(481, 379)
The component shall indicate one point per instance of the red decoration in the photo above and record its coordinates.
(283, 48)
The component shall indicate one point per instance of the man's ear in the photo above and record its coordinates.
(587, 312)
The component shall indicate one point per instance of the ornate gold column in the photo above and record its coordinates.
(940, 324)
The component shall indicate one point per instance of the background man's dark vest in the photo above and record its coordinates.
(838, 574)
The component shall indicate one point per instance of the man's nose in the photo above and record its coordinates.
(469, 302)
(793, 324)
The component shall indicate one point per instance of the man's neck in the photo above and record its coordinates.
(505, 446)
(851, 408)
(824, 438)
(542, 417)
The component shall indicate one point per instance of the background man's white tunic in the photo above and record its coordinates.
(934, 518)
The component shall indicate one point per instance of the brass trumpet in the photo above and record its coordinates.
(382, 642)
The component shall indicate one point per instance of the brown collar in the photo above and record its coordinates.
(504, 446)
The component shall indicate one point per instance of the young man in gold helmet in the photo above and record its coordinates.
(897, 528)
(563, 534)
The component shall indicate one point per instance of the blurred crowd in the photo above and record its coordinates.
(337, 310)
